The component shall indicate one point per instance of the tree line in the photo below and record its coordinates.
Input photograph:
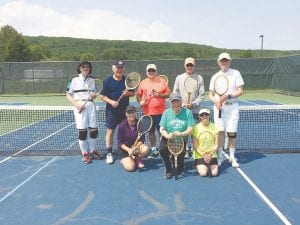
(14, 47)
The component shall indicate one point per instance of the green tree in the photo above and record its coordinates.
(87, 56)
(39, 52)
(114, 53)
(13, 46)
(247, 54)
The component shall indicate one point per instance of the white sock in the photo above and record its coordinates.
(93, 144)
(83, 146)
(219, 153)
(231, 153)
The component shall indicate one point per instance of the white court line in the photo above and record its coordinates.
(262, 195)
(45, 138)
(26, 180)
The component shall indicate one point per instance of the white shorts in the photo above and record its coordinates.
(230, 117)
(88, 117)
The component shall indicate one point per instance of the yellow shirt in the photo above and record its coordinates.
(199, 128)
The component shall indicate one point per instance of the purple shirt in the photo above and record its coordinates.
(127, 135)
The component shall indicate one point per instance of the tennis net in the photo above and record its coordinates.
(50, 130)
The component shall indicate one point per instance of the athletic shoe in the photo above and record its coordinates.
(140, 164)
(168, 175)
(187, 154)
(234, 162)
(220, 160)
(86, 158)
(109, 158)
(95, 155)
(153, 154)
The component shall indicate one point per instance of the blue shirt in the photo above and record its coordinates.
(127, 134)
(113, 89)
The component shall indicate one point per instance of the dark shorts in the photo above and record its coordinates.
(200, 161)
(113, 118)
(156, 120)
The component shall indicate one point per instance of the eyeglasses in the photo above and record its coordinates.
(85, 67)
(189, 65)
(151, 70)
(204, 114)
(224, 60)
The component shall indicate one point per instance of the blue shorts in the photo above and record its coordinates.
(156, 120)
(113, 118)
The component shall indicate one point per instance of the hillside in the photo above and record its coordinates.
(65, 48)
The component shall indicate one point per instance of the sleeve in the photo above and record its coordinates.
(176, 85)
(239, 79)
(120, 135)
(211, 83)
(191, 120)
(163, 120)
(105, 89)
(69, 88)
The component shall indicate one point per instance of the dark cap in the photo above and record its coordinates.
(84, 63)
(130, 109)
(175, 96)
(118, 63)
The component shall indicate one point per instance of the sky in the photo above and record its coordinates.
(231, 24)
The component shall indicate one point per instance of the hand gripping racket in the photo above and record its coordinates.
(132, 81)
(175, 146)
(190, 86)
(143, 126)
(95, 86)
(221, 85)
(159, 84)
(206, 142)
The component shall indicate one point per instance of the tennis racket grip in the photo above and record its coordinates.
(175, 168)
(220, 113)
(209, 170)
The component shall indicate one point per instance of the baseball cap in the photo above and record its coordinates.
(130, 109)
(189, 60)
(151, 66)
(204, 110)
(224, 55)
(175, 96)
(118, 63)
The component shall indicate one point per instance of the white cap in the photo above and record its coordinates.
(151, 66)
(224, 55)
(204, 110)
(189, 60)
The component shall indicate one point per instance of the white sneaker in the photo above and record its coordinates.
(220, 159)
(109, 158)
(234, 163)
(187, 154)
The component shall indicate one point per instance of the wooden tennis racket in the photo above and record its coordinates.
(190, 86)
(206, 142)
(95, 86)
(221, 85)
(175, 146)
(159, 84)
(132, 81)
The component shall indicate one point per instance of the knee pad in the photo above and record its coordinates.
(93, 133)
(82, 135)
(231, 134)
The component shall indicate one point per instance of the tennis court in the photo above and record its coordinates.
(44, 182)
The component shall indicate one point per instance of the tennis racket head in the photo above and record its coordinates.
(98, 86)
(190, 84)
(160, 83)
(175, 145)
(144, 124)
(132, 80)
(221, 85)
(206, 142)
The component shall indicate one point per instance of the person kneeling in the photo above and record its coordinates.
(131, 154)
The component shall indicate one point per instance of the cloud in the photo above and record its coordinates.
(35, 20)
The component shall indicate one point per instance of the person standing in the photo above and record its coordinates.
(228, 104)
(196, 97)
(85, 111)
(175, 121)
(113, 88)
(152, 103)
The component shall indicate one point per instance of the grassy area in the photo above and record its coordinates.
(60, 99)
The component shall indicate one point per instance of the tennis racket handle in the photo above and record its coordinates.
(220, 113)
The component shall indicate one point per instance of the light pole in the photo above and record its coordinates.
(261, 45)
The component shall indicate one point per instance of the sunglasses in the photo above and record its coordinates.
(204, 114)
(189, 65)
(151, 70)
(85, 67)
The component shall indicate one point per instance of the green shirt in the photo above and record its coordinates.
(180, 122)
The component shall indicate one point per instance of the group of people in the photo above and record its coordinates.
(186, 117)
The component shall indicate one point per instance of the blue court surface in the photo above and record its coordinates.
(56, 190)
